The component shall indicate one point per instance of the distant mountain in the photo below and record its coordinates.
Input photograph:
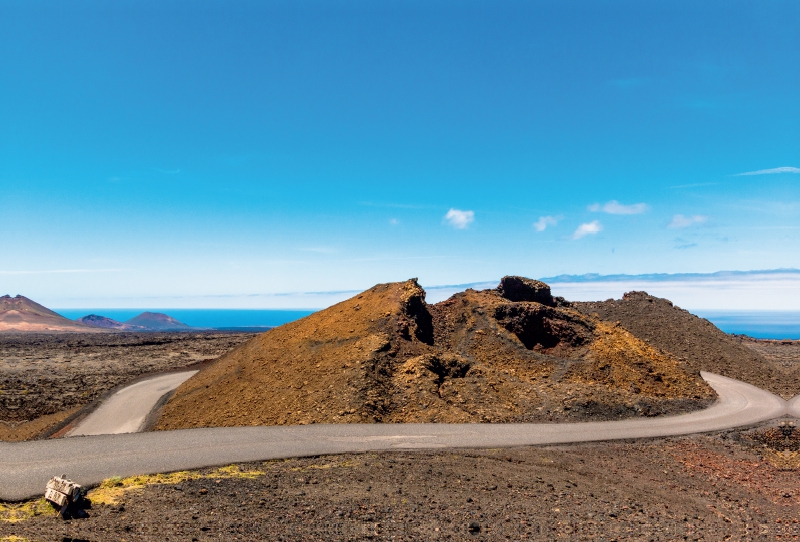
(156, 321)
(95, 320)
(673, 277)
(21, 314)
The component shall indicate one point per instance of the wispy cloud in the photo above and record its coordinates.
(544, 221)
(59, 271)
(773, 171)
(681, 221)
(614, 207)
(459, 219)
(394, 221)
(589, 228)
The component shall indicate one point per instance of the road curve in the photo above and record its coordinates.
(26, 466)
(126, 410)
(793, 408)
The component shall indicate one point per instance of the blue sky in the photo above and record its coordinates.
(167, 149)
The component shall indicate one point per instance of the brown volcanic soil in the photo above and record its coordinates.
(784, 354)
(696, 341)
(46, 377)
(490, 356)
(721, 487)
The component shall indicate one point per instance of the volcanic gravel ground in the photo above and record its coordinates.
(785, 354)
(45, 374)
(720, 487)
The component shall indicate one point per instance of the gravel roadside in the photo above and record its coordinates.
(732, 485)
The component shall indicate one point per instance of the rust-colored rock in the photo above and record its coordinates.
(697, 342)
(501, 355)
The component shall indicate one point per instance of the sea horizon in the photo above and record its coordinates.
(759, 324)
(222, 319)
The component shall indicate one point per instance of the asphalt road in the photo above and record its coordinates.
(126, 410)
(794, 407)
(26, 466)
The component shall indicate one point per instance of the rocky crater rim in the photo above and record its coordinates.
(513, 353)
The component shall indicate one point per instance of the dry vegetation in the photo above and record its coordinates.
(720, 487)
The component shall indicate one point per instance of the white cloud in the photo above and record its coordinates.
(777, 290)
(614, 207)
(394, 221)
(459, 219)
(590, 228)
(680, 221)
(786, 169)
(544, 221)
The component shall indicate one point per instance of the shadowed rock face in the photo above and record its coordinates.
(522, 289)
(513, 353)
(539, 325)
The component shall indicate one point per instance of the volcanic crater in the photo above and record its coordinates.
(510, 354)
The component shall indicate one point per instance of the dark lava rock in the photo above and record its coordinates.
(523, 289)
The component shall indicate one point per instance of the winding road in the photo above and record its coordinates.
(126, 411)
(25, 467)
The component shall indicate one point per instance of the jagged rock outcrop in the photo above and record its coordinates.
(513, 353)
(522, 289)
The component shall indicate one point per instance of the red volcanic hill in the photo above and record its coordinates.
(21, 314)
(510, 354)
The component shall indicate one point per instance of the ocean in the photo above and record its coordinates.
(227, 319)
(759, 324)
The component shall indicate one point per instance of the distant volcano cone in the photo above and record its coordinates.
(95, 320)
(21, 314)
(156, 321)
